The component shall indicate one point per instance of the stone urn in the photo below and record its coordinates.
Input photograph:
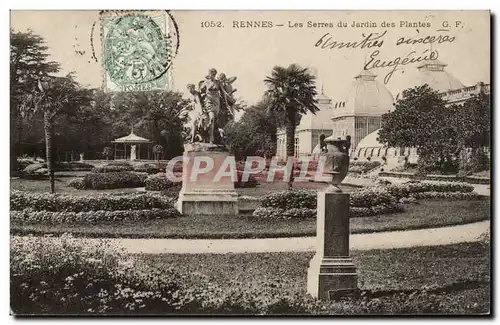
(338, 161)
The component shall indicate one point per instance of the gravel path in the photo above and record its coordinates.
(394, 239)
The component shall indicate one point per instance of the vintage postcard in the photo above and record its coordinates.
(250, 162)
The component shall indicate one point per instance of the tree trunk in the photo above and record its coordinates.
(47, 126)
(290, 138)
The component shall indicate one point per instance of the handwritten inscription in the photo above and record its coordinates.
(411, 57)
(368, 41)
(376, 40)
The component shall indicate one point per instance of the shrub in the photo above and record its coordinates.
(24, 162)
(48, 217)
(279, 213)
(363, 166)
(371, 196)
(65, 276)
(448, 195)
(40, 168)
(367, 197)
(32, 168)
(290, 198)
(305, 213)
(107, 152)
(112, 169)
(159, 182)
(147, 168)
(408, 200)
(20, 200)
(78, 183)
(71, 278)
(118, 163)
(405, 189)
(359, 212)
(111, 180)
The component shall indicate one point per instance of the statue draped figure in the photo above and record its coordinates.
(212, 107)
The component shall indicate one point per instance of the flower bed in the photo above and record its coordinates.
(41, 168)
(371, 196)
(363, 166)
(305, 213)
(159, 182)
(118, 163)
(302, 204)
(290, 198)
(448, 195)
(49, 217)
(112, 169)
(147, 168)
(406, 189)
(367, 197)
(111, 180)
(369, 201)
(71, 278)
(20, 200)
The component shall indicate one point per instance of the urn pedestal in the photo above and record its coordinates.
(201, 192)
(332, 269)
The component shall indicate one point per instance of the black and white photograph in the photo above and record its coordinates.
(250, 162)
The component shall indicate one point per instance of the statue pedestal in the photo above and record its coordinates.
(331, 269)
(203, 195)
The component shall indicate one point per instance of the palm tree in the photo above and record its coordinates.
(292, 92)
(52, 96)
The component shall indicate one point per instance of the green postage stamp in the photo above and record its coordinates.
(136, 50)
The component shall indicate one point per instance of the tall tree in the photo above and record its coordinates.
(421, 120)
(471, 122)
(255, 132)
(292, 92)
(157, 115)
(53, 96)
(28, 62)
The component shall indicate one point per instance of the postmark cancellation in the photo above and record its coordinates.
(137, 50)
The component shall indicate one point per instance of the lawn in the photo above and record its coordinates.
(456, 277)
(427, 214)
(61, 185)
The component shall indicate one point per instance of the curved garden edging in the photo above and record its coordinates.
(384, 240)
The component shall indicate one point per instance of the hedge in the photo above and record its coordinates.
(371, 196)
(112, 169)
(290, 198)
(147, 168)
(100, 181)
(306, 213)
(40, 168)
(366, 197)
(405, 189)
(118, 163)
(20, 200)
(48, 217)
(279, 213)
(78, 183)
(448, 195)
(159, 182)
(363, 166)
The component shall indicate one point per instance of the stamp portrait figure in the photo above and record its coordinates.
(136, 52)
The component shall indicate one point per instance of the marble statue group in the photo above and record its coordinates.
(212, 107)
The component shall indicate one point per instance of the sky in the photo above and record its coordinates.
(251, 53)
